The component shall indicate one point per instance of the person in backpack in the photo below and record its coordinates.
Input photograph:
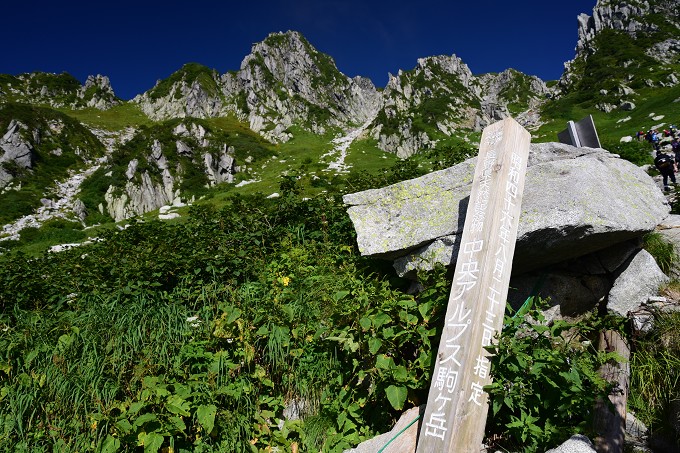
(656, 140)
(664, 163)
(675, 147)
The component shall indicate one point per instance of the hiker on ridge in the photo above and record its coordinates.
(664, 163)
(656, 140)
(675, 147)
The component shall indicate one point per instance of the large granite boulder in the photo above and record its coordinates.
(577, 201)
(637, 282)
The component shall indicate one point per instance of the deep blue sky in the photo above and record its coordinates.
(135, 43)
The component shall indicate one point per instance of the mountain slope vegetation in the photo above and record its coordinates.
(247, 320)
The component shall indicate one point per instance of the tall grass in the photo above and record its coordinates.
(655, 376)
(662, 250)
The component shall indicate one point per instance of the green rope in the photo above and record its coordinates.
(398, 434)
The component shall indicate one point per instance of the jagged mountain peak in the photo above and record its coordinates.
(284, 81)
(440, 97)
(629, 37)
(293, 61)
(193, 90)
(188, 73)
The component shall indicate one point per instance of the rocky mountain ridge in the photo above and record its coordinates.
(58, 90)
(285, 85)
(286, 82)
(638, 39)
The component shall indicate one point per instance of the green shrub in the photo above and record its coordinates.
(545, 381)
(639, 153)
(199, 334)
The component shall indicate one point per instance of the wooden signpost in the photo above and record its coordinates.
(456, 405)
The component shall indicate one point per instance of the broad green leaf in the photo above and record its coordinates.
(352, 345)
(289, 311)
(342, 418)
(110, 444)
(178, 423)
(135, 407)
(151, 441)
(206, 416)
(374, 345)
(424, 310)
(381, 319)
(233, 315)
(178, 405)
(400, 373)
(124, 426)
(64, 342)
(263, 331)
(339, 295)
(30, 356)
(388, 332)
(353, 410)
(143, 419)
(384, 362)
(365, 323)
(396, 396)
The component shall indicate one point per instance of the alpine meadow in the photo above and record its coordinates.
(261, 260)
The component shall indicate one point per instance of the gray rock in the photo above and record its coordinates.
(670, 230)
(576, 201)
(137, 198)
(627, 106)
(644, 316)
(634, 427)
(577, 443)
(79, 210)
(103, 97)
(16, 151)
(391, 442)
(665, 51)
(640, 280)
(221, 170)
(183, 148)
(570, 295)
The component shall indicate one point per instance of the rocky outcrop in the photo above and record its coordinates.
(96, 93)
(192, 91)
(440, 96)
(222, 169)
(624, 16)
(59, 90)
(155, 176)
(576, 201)
(141, 196)
(635, 18)
(499, 93)
(285, 81)
(629, 290)
(17, 152)
(666, 52)
(584, 211)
